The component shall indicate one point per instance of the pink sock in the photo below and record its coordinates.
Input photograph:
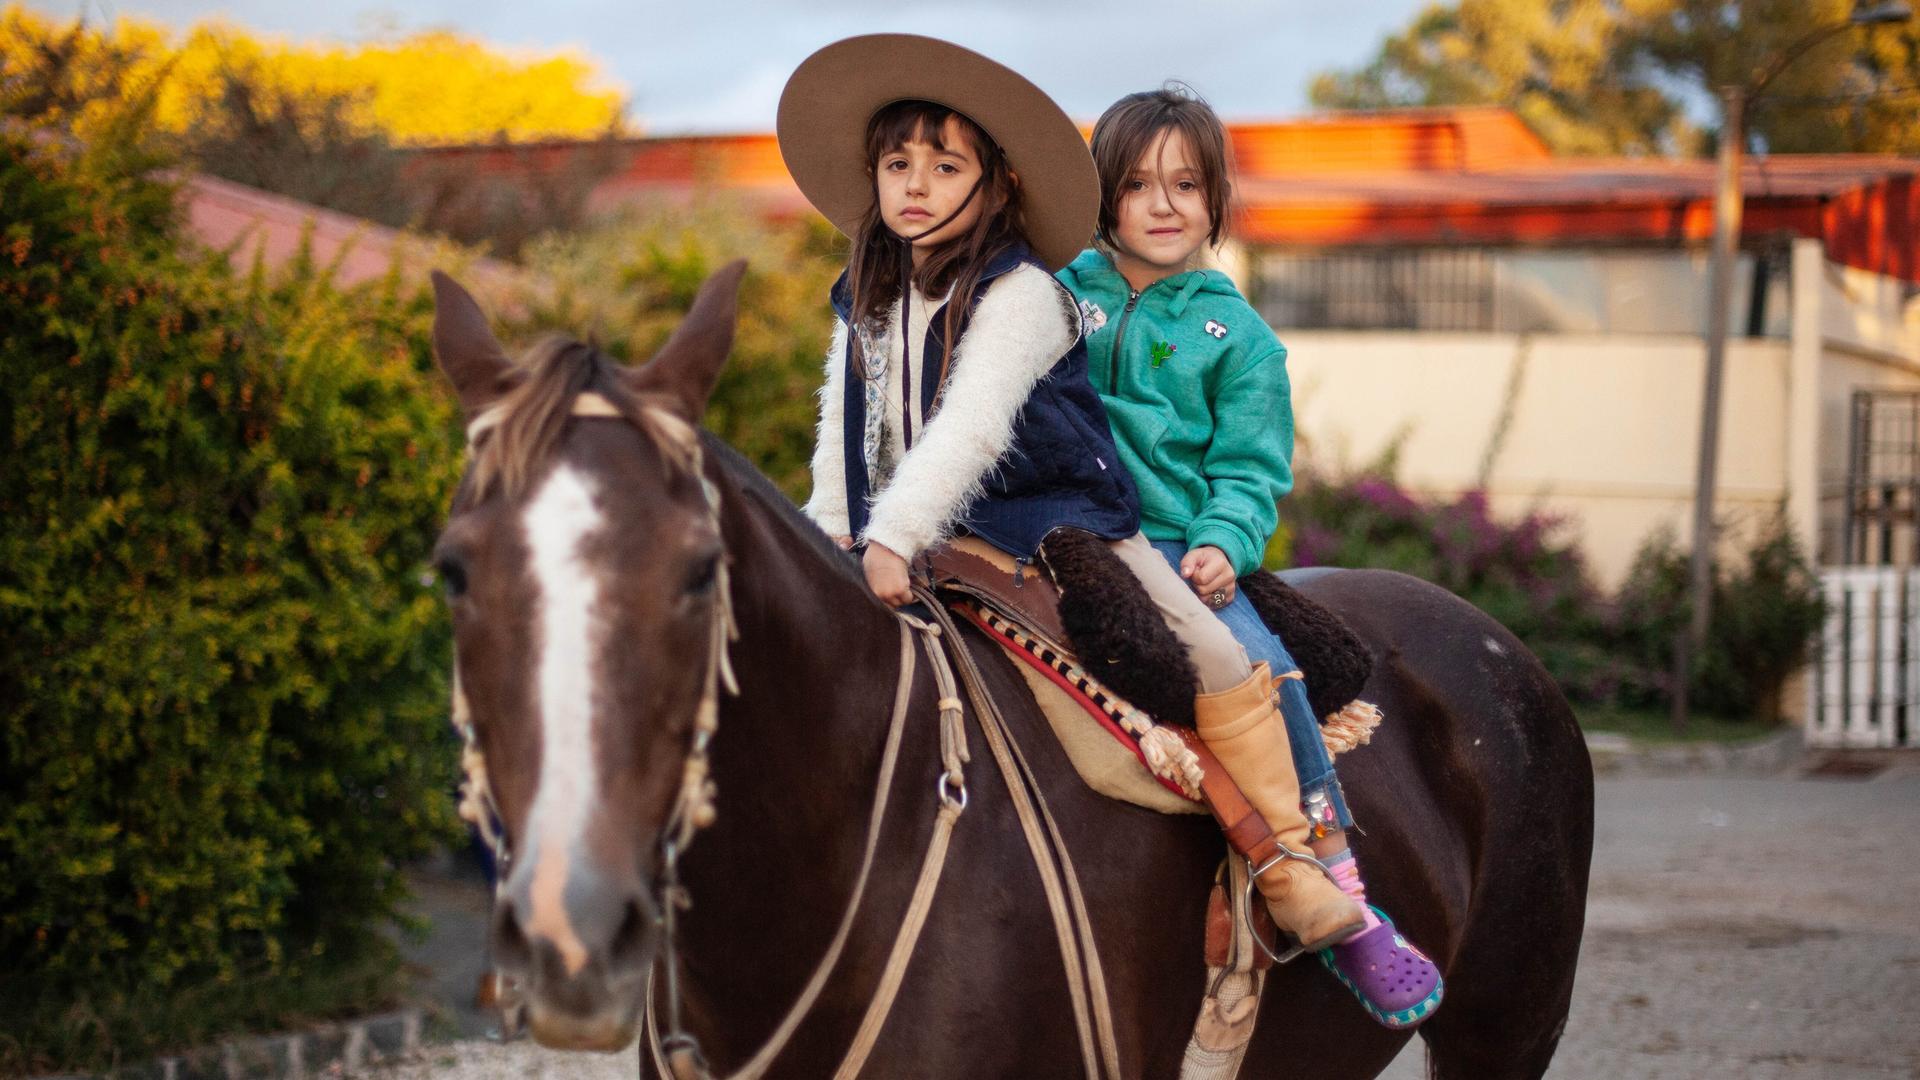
(1346, 874)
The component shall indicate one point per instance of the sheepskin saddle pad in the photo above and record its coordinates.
(1080, 611)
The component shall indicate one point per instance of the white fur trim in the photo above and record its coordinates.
(1019, 331)
(827, 506)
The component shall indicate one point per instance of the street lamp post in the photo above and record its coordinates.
(1735, 103)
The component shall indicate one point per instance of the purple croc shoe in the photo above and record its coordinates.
(1394, 981)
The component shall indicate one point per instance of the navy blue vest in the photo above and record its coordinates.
(1062, 467)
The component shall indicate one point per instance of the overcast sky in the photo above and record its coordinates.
(718, 65)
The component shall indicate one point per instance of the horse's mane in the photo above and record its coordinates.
(755, 485)
(524, 426)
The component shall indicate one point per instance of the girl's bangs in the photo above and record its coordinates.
(902, 122)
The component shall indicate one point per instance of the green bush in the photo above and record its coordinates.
(223, 671)
(1765, 617)
(1604, 652)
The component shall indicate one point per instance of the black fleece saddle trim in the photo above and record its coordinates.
(1114, 627)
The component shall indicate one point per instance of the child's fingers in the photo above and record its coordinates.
(1215, 575)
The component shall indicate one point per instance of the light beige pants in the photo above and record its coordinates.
(1217, 656)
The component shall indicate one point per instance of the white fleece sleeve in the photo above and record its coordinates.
(1020, 329)
(827, 505)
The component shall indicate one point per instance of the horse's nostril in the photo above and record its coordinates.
(632, 942)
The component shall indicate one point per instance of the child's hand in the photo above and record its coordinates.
(1210, 574)
(845, 543)
(887, 575)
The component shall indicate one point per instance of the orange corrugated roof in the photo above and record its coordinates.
(1444, 175)
(1405, 140)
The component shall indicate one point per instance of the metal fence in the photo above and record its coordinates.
(1865, 689)
(1881, 518)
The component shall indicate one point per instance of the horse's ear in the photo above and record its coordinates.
(684, 370)
(472, 360)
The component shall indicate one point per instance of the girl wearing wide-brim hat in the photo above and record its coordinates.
(957, 397)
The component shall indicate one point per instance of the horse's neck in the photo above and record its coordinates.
(794, 760)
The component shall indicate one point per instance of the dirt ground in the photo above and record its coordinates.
(1754, 928)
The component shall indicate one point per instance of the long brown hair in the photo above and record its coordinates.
(1132, 125)
(879, 266)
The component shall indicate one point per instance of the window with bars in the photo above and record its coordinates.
(1513, 290)
(1881, 515)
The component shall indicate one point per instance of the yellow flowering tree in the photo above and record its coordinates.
(430, 87)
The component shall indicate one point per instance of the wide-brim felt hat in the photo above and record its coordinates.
(833, 94)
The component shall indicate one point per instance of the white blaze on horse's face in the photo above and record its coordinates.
(559, 521)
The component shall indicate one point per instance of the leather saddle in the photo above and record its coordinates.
(1023, 591)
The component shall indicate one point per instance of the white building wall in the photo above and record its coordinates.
(1602, 429)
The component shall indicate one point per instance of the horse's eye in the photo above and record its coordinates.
(704, 573)
(453, 574)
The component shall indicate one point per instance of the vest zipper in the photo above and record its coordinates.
(1119, 337)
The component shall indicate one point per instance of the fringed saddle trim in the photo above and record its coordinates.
(1350, 727)
(1162, 752)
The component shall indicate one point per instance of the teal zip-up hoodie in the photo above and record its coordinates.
(1195, 386)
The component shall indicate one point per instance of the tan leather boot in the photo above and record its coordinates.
(1244, 729)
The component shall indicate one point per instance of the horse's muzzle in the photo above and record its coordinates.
(576, 949)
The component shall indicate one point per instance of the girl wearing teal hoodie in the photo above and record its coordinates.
(1195, 386)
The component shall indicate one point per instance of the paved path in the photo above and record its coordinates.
(1752, 928)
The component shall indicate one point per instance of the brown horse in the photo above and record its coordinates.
(581, 562)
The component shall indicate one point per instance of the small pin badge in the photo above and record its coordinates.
(1162, 352)
(1216, 329)
(1091, 318)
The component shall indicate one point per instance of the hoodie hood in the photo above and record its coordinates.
(1093, 272)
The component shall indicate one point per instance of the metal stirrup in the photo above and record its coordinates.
(1246, 909)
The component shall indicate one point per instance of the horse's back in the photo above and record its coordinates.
(1474, 806)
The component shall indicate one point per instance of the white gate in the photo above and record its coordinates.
(1866, 674)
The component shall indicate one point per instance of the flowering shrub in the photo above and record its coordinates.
(1527, 575)
(1523, 573)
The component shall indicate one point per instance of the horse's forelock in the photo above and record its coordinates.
(512, 439)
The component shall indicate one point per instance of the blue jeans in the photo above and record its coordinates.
(1318, 781)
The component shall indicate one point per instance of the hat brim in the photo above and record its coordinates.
(828, 102)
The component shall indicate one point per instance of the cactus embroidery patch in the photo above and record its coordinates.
(1162, 352)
